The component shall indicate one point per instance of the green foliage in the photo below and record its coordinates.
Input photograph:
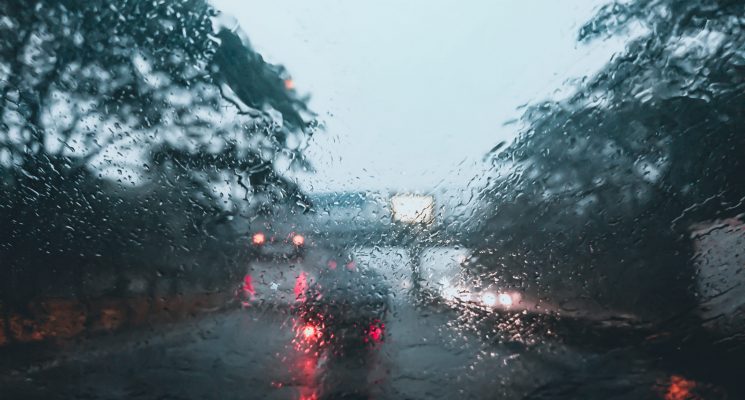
(598, 193)
(130, 132)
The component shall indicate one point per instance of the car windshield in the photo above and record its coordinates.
(228, 199)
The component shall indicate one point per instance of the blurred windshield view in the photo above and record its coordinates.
(224, 199)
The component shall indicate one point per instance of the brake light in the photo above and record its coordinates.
(489, 299)
(680, 388)
(309, 332)
(298, 240)
(376, 332)
(248, 286)
(301, 286)
(258, 238)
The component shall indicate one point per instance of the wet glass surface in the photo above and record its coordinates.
(372, 200)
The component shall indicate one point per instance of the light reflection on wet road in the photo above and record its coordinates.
(248, 354)
(430, 352)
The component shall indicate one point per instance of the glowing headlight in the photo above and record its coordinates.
(505, 299)
(489, 299)
(449, 293)
(298, 240)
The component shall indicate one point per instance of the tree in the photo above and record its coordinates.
(597, 195)
(134, 124)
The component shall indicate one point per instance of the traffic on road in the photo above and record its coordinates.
(225, 199)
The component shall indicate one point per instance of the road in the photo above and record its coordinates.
(431, 351)
(248, 354)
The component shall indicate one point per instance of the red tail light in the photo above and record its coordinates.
(298, 240)
(309, 332)
(248, 286)
(258, 238)
(301, 286)
(376, 332)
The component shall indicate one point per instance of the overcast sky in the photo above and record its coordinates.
(414, 93)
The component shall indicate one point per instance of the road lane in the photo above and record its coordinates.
(430, 352)
(247, 354)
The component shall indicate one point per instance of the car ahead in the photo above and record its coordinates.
(489, 297)
(477, 289)
(276, 240)
(279, 277)
(279, 264)
(343, 310)
(487, 292)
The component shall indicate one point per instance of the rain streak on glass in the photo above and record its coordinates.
(372, 200)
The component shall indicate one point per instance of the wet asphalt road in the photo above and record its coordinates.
(429, 353)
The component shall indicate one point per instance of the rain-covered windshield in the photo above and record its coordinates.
(218, 199)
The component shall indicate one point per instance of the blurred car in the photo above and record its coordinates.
(276, 240)
(280, 277)
(482, 288)
(473, 287)
(490, 297)
(280, 264)
(343, 309)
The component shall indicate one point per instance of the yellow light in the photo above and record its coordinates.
(489, 299)
(298, 240)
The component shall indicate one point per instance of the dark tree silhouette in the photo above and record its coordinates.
(130, 134)
(597, 195)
